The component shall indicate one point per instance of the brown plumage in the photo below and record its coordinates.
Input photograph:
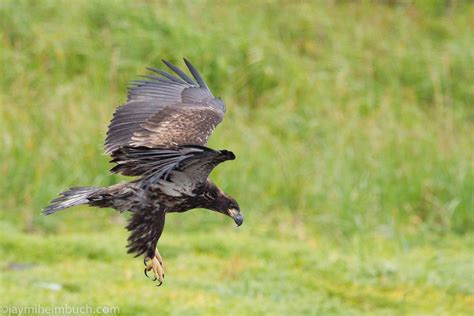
(159, 136)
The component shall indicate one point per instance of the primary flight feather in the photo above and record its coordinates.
(159, 136)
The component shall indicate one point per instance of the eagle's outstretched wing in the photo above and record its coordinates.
(190, 163)
(165, 111)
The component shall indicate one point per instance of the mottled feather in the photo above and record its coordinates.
(159, 104)
(145, 226)
(190, 123)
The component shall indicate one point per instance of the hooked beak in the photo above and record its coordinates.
(237, 216)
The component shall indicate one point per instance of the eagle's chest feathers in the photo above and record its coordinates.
(178, 193)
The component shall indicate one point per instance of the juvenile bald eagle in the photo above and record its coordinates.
(159, 136)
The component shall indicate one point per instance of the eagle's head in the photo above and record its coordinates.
(231, 208)
(223, 203)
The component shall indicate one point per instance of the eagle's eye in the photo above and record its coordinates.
(233, 205)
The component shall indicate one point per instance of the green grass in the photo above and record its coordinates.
(352, 125)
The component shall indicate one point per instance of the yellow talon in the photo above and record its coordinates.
(155, 264)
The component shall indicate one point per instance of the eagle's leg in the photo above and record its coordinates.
(158, 256)
(156, 265)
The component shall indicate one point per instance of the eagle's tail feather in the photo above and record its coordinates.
(72, 197)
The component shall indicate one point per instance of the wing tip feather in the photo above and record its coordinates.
(179, 72)
(195, 73)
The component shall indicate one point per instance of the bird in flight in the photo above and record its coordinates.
(159, 136)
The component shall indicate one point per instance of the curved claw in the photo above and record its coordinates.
(154, 264)
(146, 274)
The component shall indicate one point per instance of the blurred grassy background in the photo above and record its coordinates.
(353, 128)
